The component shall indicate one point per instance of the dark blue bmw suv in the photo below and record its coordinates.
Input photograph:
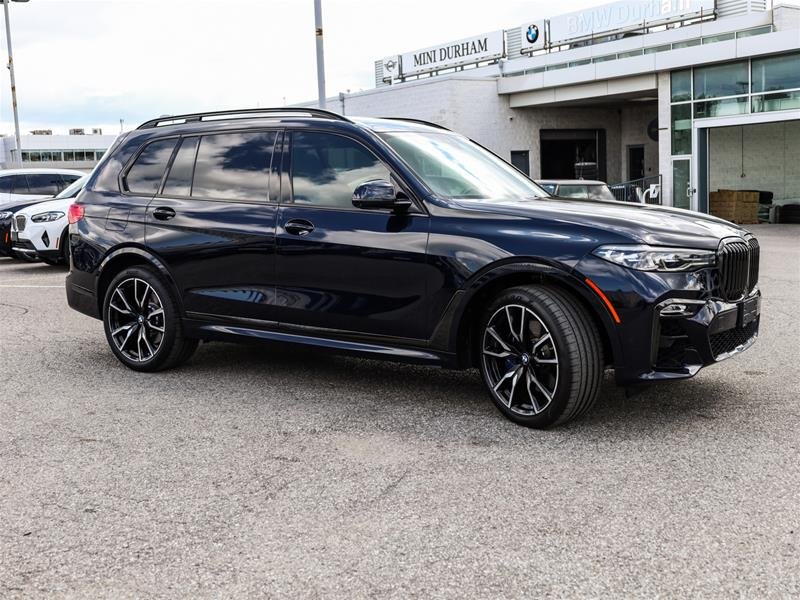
(398, 239)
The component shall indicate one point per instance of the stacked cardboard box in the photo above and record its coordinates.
(734, 205)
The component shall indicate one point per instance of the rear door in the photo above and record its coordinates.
(213, 223)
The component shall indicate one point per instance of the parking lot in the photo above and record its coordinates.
(267, 471)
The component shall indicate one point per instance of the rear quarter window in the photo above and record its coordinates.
(144, 176)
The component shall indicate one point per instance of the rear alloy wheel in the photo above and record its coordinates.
(142, 323)
(540, 356)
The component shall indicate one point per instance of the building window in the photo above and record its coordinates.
(777, 101)
(729, 79)
(713, 39)
(776, 73)
(686, 44)
(755, 31)
(720, 108)
(681, 85)
(682, 129)
(69, 156)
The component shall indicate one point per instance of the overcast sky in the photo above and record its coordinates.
(85, 63)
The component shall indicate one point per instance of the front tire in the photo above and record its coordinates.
(142, 322)
(540, 356)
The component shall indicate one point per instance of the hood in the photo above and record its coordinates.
(61, 204)
(642, 223)
(6, 198)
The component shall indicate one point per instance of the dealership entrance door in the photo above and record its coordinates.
(573, 153)
(682, 190)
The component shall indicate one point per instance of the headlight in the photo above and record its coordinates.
(6, 214)
(652, 258)
(46, 217)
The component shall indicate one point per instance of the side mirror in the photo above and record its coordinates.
(379, 193)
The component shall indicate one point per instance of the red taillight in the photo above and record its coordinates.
(75, 213)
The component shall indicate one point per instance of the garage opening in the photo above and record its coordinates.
(573, 153)
(763, 162)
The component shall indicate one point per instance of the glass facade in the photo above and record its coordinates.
(776, 73)
(735, 88)
(682, 128)
(60, 155)
(729, 79)
(681, 86)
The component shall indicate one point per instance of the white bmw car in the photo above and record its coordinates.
(40, 230)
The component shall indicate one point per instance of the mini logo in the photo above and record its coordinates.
(390, 64)
(532, 34)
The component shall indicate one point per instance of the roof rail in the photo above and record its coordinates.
(420, 121)
(222, 115)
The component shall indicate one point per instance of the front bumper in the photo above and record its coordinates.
(38, 240)
(689, 334)
(671, 324)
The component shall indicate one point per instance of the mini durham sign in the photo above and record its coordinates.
(486, 46)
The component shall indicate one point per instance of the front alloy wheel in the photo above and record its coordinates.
(540, 355)
(520, 359)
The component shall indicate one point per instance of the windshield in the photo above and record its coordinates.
(454, 167)
(72, 189)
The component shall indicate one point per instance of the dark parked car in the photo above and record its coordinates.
(397, 239)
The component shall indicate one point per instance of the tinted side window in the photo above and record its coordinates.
(44, 184)
(326, 169)
(179, 180)
(233, 166)
(5, 185)
(19, 184)
(145, 175)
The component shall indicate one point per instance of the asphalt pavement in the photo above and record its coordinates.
(262, 471)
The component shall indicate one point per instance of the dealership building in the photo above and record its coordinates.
(693, 96)
(81, 149)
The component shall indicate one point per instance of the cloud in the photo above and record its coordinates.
(81, 63)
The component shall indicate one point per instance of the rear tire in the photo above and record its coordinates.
(142, 322)
(540, 356)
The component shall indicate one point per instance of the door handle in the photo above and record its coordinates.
(163, 213)
(299, 227)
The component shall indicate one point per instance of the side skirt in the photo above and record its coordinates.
(240, 333)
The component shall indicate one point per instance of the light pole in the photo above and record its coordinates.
(13, 81)
(320, 53)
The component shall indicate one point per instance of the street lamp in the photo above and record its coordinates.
(320, 53)
(13, 82)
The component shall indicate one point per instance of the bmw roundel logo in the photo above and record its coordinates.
(532, 34)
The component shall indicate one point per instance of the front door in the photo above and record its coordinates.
(343, 268)
(213, 224)
(682, 190)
